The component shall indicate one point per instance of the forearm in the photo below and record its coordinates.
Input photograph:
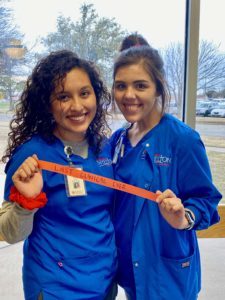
(16, 223)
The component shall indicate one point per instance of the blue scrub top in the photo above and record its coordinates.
(71, 252)
(164, 261)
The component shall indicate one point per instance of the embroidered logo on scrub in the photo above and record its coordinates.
(162, 160)
(104, 161)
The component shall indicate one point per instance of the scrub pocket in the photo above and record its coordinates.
(179, 278)
(88, 275)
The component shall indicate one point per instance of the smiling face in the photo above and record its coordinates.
(135, 94)
(73, 105)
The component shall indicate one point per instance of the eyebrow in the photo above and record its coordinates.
(136, 81)
(86, 87)
(82, 88)
(141, 81)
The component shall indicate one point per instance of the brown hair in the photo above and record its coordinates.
(152, 63)
(133, 40)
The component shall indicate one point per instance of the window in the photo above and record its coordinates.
(210, 116)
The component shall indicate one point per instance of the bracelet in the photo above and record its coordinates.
(190, 219)
(27, 203)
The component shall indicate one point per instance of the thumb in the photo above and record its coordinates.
(158, 193)
(35, 156)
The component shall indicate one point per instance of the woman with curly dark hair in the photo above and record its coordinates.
(69, 248)
(33, 114)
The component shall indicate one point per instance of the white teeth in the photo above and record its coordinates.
(78, 118)
(132, 107)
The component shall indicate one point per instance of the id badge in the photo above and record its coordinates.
(75, 187)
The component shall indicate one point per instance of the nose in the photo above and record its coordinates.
(76, 104)
(129, 93)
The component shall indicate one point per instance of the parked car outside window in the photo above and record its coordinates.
(219, 111)
(205, 108)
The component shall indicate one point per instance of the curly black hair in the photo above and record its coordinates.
(33, 114)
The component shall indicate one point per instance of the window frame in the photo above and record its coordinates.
(191, 48)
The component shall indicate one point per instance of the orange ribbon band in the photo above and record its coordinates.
(87, 176)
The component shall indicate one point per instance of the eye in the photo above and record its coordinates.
(62, 97)
(141, 86)
(85, 93)
(119, 86)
